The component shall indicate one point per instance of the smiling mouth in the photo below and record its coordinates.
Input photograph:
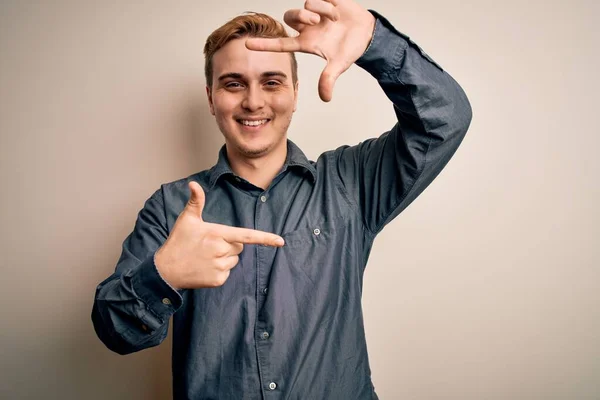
(252, 123)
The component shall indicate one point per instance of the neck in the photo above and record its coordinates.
(259, 171)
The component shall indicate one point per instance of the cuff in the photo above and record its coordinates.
(160, 298)
(387, 49)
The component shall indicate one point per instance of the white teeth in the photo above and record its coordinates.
(254, 123)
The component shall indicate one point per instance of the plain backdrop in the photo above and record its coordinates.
(486, 287)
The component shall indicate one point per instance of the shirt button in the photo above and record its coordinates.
(265, 290)
(166, 301)
(317, 231)
(263, 198)
(272, 386)
(265, 335)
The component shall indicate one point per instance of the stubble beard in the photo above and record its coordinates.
(257, 153)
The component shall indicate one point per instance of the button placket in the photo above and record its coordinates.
(261, 333)
(264, 255)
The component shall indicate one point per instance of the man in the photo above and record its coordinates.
(260, 259)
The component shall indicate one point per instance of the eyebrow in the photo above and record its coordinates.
(267, 74)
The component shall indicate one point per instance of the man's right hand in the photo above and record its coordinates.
(200, 254)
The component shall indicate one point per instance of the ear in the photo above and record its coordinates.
(210, 100)
(296, 96)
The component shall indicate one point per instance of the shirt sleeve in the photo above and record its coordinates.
(133, 306)
(385, 174)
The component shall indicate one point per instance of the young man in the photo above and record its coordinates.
(260, 259)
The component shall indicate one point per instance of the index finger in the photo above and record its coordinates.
(289, 44)
(250, 236)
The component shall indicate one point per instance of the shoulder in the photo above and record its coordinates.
(176, 193)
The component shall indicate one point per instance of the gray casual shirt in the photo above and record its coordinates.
(287, 324)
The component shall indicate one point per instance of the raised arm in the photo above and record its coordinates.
(385, 174)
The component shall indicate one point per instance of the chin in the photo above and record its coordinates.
(254, 152)
(250, 150)
(258, 148)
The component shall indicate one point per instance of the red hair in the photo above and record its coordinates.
(247, 25)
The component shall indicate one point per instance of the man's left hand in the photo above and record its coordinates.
(337, 30)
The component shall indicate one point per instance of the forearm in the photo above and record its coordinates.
(132, 307)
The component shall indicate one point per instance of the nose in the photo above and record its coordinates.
(254, 98)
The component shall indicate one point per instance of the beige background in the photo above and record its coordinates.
(487, 287)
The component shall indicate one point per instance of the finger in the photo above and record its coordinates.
(222, 248)
(250, 236)
(235, 248)
(217, 281)
(289, 44)
(196, 202)
(227, 263)
(323, 9)
(299, 27)
(301, 17)
(327, 80)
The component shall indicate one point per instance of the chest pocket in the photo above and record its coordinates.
(308, 237)
(311, 249)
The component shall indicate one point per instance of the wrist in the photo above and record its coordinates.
(372, 24)
(162, 267)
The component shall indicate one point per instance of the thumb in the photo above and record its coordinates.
(327, 80)
(196, 202)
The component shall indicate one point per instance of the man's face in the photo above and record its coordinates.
(252, 98)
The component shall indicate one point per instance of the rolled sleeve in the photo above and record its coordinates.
(160, 298)
(133, 306)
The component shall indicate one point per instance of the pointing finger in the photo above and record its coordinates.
(250, 236)
(290, 44)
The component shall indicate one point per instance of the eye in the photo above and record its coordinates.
(233, 85)
(272, 83)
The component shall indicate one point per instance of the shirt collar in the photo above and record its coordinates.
(295, 159)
